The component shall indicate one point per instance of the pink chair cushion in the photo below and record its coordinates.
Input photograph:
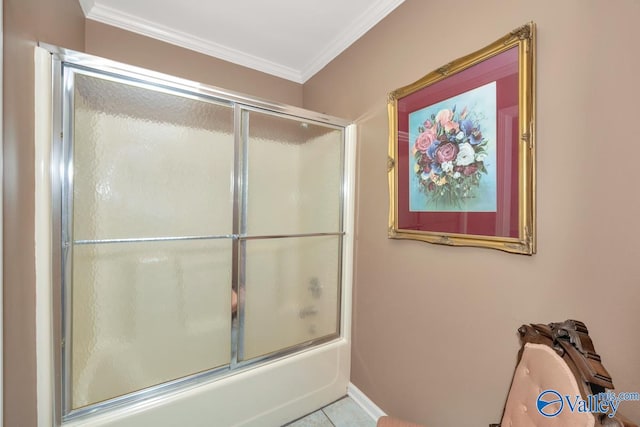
(541, 369)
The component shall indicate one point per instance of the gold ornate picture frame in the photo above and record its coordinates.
(462, 150)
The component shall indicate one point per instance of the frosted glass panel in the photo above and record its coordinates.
(149, 164)
(146, 313)
(294, 177)
(291, 292)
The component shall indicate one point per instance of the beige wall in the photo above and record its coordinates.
(130, 48)
(434, 326)
(25, 22)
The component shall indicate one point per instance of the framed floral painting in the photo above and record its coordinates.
(462, 150)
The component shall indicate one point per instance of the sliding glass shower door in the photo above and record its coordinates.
(150, 213)
(198, 236)
(291, 233)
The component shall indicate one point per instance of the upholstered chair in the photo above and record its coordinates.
(557, 372)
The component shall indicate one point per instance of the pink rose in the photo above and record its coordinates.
(424, 140)
(445, 118)
(446, 152)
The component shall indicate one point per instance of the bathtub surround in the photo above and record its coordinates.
(155, 217)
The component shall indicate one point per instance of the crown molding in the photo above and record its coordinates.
(86, 6)
(375, 13)
(138, 25)
(354, 31)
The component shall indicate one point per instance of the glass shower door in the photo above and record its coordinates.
(291, 234)
(172, 201)
(149, 237)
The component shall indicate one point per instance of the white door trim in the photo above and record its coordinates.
(1, 219)
(43, 233)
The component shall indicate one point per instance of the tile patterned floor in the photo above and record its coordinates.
(342, 413)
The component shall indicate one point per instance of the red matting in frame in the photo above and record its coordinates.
(503, 69)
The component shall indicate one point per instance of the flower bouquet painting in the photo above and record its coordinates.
(452, 154)
(461, 162)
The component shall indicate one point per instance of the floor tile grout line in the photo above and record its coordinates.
(324, 413)
(310, 414)
(328, 417)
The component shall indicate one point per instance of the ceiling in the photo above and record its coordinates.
(292, 39)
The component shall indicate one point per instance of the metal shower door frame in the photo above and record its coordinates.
(66, 64)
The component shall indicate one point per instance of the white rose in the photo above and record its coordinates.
(480, 157)
(466, 155)
(447, 166)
